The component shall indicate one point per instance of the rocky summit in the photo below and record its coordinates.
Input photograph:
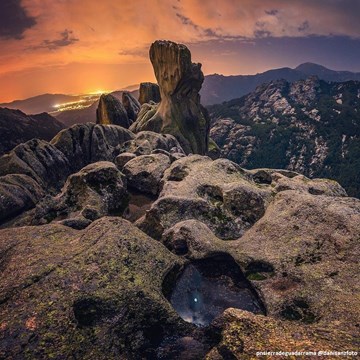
(113, 111)
(117, 244)
(179, 112)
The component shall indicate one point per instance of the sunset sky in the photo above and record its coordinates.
(81, 46)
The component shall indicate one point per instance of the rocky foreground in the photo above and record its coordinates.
(117, 244)
(80, 280)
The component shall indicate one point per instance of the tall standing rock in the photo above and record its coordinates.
(111, 112)
(179, 112)
(131, 105)
(149, 92)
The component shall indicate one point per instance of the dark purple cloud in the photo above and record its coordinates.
(66, 38)
(14, 20)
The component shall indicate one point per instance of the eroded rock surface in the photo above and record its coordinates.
(227, 198)
(245, 334)
(131, 105)
(18, 193)
(88, 143)
(301, 257)
(292, 240)
(195, 187)
(149, 92)
(40, 160)
(97, 190)
(94, 293)
(123, 158)
(37, 167)
(306, 274)
(179, 112)
(311, 243)
(145, 142)
(193, 239)
(209, 286)
(206, 234)
(144, 173)
(112, 112)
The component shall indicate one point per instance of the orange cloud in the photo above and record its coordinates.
(61, 33)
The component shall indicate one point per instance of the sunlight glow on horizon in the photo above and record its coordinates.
(95, 45)
(98, 92)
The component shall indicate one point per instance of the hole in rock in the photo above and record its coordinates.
(211, 193)
(299, 310)
(139, 203)
(258, 270)
(262, 177)
(207, 287)
(91, 310)
(178, 173)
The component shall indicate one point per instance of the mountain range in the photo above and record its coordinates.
(309, 126)
(216, 89)
(17, 127)
(219, 88)
(41, 103)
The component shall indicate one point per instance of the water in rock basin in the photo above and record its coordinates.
(205, 289)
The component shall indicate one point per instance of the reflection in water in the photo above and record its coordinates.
(204, 291)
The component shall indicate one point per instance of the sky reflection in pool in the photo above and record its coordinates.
(198, 297)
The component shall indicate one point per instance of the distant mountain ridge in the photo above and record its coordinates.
(215, 90)
(48, 102)
(17, 127)
(219, 88)
(326, 74)
(40, 103)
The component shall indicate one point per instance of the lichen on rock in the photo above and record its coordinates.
(97, 190)
(179, 112)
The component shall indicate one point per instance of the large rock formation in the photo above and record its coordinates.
(179, 112)
(37, 166)
(106, 286)
(99, 287)
(145, 142)
(111, 111)
(149, 92)
(222, 195)
(131, 105)
(92, 294)
(97, 190)
(18, 192)
(144, 173)
(88, 143)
